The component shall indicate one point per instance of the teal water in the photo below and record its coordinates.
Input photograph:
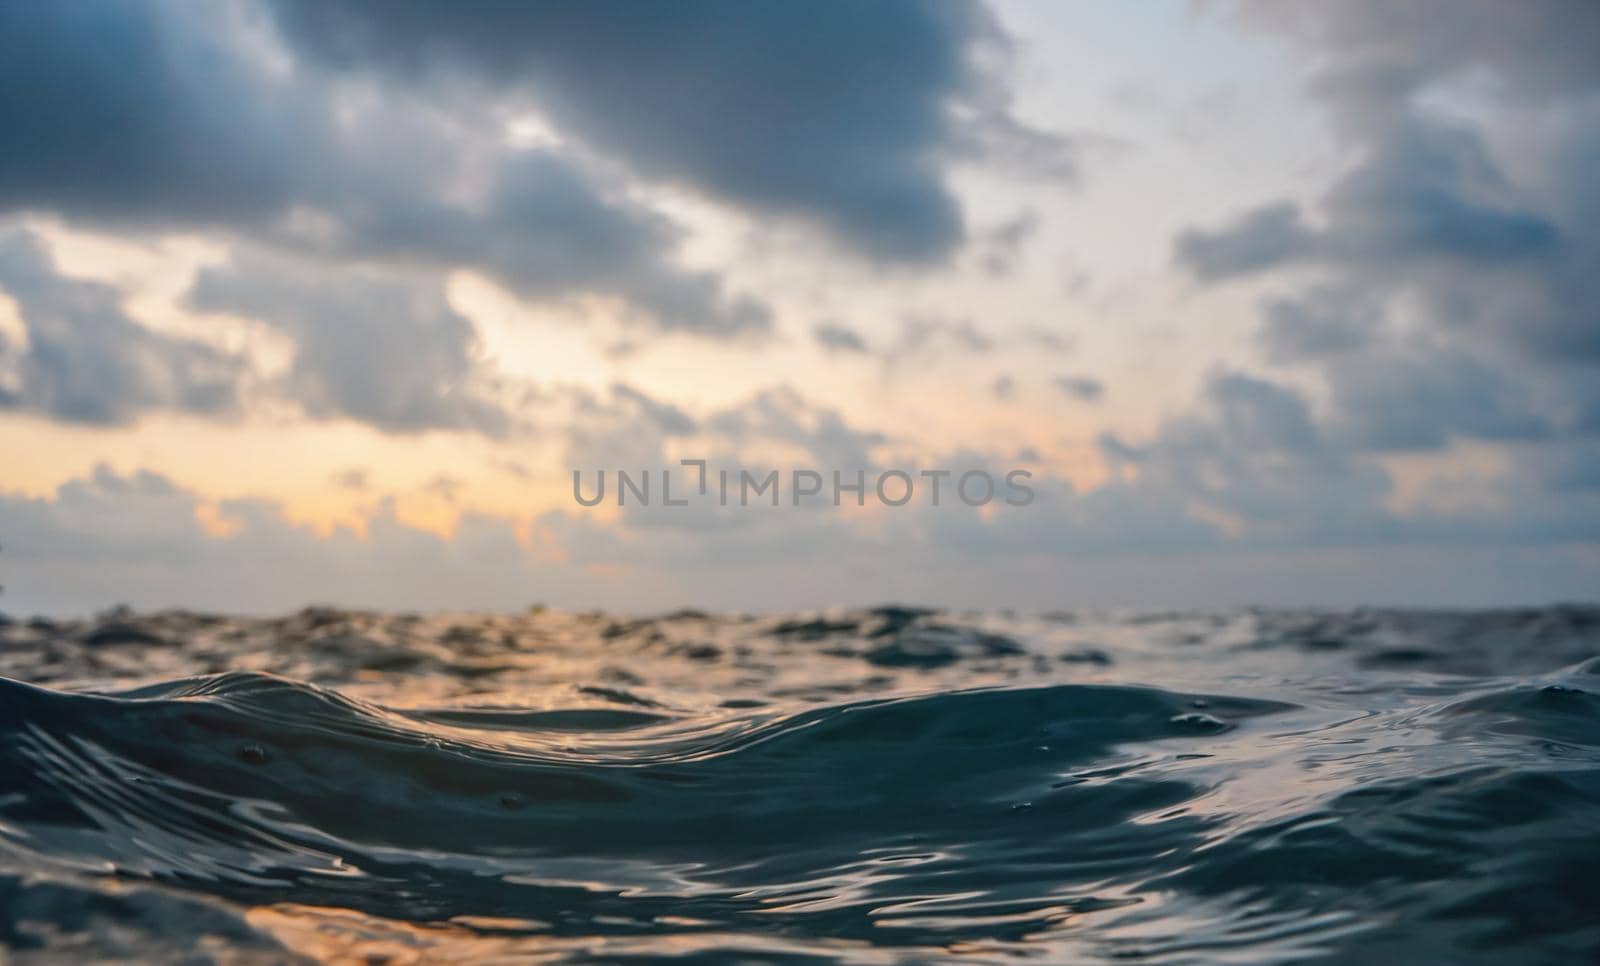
(861, 786)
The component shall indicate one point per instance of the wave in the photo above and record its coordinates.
(1288, 809)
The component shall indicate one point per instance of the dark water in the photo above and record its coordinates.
(865, 786)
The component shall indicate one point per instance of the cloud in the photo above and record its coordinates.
(138, 538)
(1318, 323)
(194, 123)
(783, 415)
(1250, 454)
(1439, 288)
(1260, 239)
(672, 420)
(1425, 193)
(843, 115)
(370, 344)
(545, 230)
(1048, 340)
(1081, 388)
(1574, 470)
(113, 113)
(87, 361)
(446, 487)
(925, 337)
(1372, 58)
(1117, 451)
(838, 338)
(1430, 205)
(628, 430)
(1003, 244)
(1395, 399)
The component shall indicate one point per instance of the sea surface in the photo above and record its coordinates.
(872, 786)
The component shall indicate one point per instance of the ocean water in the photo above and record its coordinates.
(886, 785)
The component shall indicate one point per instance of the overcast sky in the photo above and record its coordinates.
(324, 300)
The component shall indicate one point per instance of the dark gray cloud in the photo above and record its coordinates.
(186, 116)
(1081, 388)
(1423, 397)
(1318, 323)
(835, 112)
(370, 344)
(838, 338)
(1260, 239)
(1426, 193)
(544, 229)
(1430, 206)
(171, 115)
(1500, 240)
(87, 361)
(1444, 288)
(110, 112)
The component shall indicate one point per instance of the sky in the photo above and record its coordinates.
(1277, 304)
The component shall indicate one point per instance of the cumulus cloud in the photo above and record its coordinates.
(370, 344)
(842, 113)
(215, 138)
(1424, 194)
(783, 415)
(1252, 455)
(1259, 239)
(1320, 322)
(1439, 287)
(256, 124)
(1420, 398)
(87, 361)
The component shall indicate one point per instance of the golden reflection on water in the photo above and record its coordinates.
(339, 936)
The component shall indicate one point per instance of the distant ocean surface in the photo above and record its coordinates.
(886, 785)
